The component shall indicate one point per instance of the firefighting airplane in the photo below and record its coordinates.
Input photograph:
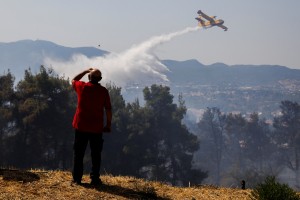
(211, 21)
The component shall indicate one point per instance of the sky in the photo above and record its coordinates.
(260, 31)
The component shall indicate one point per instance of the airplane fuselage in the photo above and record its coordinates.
(213, 23)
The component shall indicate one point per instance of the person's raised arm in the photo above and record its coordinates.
(80, 75)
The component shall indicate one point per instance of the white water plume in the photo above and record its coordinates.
(138, 64)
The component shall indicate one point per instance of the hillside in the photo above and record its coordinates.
(35, 184)
(20, 55)
(238, 88)
(232, 88)
(192, 71)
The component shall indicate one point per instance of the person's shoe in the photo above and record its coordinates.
(96, 182)
(76, 182)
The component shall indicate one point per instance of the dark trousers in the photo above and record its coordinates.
(80, 144)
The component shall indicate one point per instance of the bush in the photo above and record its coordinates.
(272, 190)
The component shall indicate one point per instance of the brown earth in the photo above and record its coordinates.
(35, 184)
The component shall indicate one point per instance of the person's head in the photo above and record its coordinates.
(95, 76)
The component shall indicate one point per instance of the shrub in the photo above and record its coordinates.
(270, 189)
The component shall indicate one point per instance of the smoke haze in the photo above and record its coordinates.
(138, 64)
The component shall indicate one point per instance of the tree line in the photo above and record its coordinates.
(236, 147)
(148, 141)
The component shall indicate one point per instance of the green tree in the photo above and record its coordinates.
(287, 129)
(6, 112)
(260, 152)
(170, 146)
(258, 144)
(212, 132)
(113, 155)
(235, 145)
(270, 189)
(137, 146)
(44, 108)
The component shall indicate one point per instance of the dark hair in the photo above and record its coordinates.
(95, 77)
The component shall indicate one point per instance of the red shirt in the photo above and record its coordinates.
(91, 101)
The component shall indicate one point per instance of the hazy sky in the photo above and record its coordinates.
(260, 31)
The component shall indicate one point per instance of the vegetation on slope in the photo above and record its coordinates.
(35, 184)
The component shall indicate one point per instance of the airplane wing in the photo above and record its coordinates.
(201, 21)
(223, 27)
(205, 16)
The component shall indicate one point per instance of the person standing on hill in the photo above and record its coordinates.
(88, 122)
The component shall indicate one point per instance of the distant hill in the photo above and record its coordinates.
(20, 55)
(219, 73)
(238, 88)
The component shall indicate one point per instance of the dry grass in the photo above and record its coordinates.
(57, 185)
